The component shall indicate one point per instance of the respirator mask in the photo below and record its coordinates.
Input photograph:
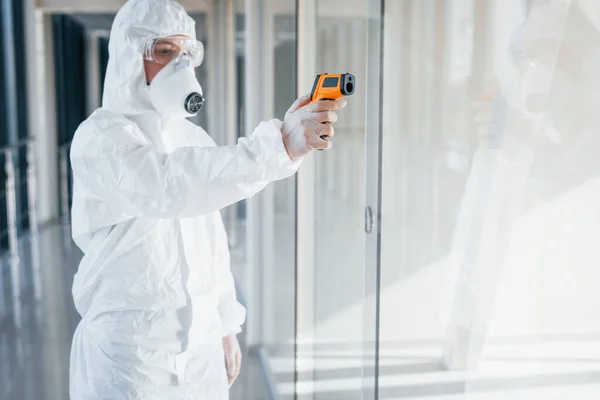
(175, 91)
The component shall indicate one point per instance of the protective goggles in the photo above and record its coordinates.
(163, 50)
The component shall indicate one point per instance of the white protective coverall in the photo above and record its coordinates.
(154, 287)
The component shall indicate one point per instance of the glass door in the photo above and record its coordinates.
(336, 312)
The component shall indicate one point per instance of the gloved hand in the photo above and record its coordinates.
(303, 126)
(233, 357)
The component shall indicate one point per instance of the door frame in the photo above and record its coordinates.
(373, 180)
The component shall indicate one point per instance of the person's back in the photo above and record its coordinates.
(154, 287)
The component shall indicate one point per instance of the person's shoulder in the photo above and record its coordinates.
(194, 135)
(105, 126)
(103, 120)
(206, 139)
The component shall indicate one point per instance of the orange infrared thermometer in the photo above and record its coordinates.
(332, 87)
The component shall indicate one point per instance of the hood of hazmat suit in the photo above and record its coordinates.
(154, 287)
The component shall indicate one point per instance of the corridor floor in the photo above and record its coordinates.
(34, 360)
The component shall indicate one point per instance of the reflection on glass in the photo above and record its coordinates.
(489, 194)
(280, 311)
(273, 285)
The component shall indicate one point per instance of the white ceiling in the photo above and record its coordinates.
(105, 6)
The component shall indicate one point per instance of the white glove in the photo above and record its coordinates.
(233, 358)
(308, 126)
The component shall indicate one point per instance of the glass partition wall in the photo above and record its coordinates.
(478, 275)
(446, 246)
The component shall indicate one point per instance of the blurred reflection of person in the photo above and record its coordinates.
(537, 138)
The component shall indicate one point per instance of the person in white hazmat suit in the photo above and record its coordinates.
(154, 288)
